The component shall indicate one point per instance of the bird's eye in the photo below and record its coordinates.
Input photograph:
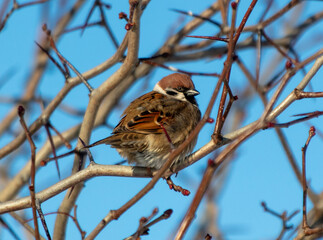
(172, 93)
(180, 89)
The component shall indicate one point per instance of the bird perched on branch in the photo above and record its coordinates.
(157, 122)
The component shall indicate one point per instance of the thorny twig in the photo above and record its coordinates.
(288, 124)
(64, 60)
(50, 138)
(21, 112)
(41, 215)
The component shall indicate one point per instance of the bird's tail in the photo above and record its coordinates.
(106, 140)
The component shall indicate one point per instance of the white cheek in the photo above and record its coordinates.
(180, 96)
(157, 88)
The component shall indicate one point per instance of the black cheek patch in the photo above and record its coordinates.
(171, 93)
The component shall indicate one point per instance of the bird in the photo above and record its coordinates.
(156, 123)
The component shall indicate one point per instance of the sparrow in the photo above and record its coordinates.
(156, 123)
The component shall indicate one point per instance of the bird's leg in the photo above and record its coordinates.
(169, 181)
(167, 136)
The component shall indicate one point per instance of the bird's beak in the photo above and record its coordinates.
(192, 92)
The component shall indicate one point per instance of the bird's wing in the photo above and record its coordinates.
(146, 116)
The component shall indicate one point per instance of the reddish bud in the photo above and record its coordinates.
(263, 204)
(143, 220)
(44, 27)
(208, 237)
(155, 211)
(234, 5)
(122, 15)
(270, 124)
(186, 192)
(235, 98)
(31, 188)
(312, 131)
(288, 64)
(168, 213)
(128, 26)
(210, 163)
(43, 163)
(170, 186)
(21, 110)
(210, 120)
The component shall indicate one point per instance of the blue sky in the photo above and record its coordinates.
(260, 170)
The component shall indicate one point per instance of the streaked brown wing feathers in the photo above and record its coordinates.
(146, 122)
(144, 117)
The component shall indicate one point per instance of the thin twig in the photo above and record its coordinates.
(24, 224)
(65, 61)
(308, 116)
(144, 223)
(226, 76)
(210, 38)
(65, 73)
(306, 228)
(41, 215)
(73, 217)
(50, 138)
(17, 6)
(301, 94)
(106, 25)
(21, 112)
(179, 70)
(284, 218)
(282, 52)
(66, 143)
(275, 16)
(258, 52)
(189, 13)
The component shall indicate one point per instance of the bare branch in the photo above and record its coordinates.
(21, 112)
